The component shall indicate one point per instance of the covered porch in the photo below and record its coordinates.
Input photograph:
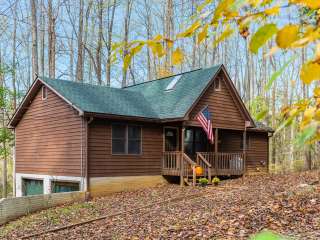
(188, 153)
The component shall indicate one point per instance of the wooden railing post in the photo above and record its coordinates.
(194, 175)
(181, 169)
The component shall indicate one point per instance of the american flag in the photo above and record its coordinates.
(204, 117)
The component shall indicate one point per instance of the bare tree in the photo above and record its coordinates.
(126, 38)
(79, 70)
(34, 29)
(108, 43)
(51, 40)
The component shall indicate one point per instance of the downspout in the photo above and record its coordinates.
(14, 165)
(87, 151)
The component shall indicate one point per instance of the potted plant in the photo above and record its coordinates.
(215, 181)
(203, 182)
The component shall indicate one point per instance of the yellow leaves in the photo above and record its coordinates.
(203, 34)
(126, 61)
(287, 36)
(189, 32)
(203, 5)
(222, 9)
(225, 34)
(169, 42)
(272, 11)
(310, 71)
(156, 46)
(313, 4)
(316, 92)
(177, 56)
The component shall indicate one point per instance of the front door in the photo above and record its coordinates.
(195, 140)
(171, 139)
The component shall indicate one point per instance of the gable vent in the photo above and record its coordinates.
(173, 82)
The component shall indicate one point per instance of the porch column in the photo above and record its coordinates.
(216, 158)
(181, 156)
(216, 141)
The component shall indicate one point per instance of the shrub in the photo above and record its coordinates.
(215, 180)
(203, 181)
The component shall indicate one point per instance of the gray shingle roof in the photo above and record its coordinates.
(147, 100)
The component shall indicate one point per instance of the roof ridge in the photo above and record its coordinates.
(193, 70)
(80, 83)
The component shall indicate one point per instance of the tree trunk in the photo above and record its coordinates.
(4, 160)
(14, 56)
(79, 70)
(99, 46)
(51, 40)
(125, 39)
(34, 30)
(109, 41)
(42, 37)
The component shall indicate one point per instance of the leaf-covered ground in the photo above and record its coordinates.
(288, 204)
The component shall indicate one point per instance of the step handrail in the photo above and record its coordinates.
(206, 165)
(188, 161)
(204, 160)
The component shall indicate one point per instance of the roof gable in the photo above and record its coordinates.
(227, 110)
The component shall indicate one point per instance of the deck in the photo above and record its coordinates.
(206, 164)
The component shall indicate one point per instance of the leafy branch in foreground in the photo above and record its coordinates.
(243, 15)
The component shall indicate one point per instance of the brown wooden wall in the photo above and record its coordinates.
(257, 151)
(225, 110)
(48, 138)
(103, 164)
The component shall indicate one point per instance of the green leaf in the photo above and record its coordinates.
(278, 73)
(261, 115)
(267, 235)
(305, 135)
(263, 34)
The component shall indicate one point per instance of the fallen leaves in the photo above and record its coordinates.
(287, 204)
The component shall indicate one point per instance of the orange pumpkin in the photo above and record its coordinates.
(199, 170)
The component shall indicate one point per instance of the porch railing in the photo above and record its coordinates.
(176, 163)
(179, 164)
(225, 163)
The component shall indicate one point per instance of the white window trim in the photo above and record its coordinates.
(46, 181)
(217, 80)
(44, 93)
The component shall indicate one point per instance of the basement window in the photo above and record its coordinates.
(44, 93)
(60, 186)
(32, 187)
(173, 83)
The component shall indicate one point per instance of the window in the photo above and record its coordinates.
(126, 139)
(44, 93)
(119, 139)
(217, 83)
(32, 187)
(57, 186)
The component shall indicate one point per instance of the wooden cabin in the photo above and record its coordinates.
(73, 136)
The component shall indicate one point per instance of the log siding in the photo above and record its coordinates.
(102, 163)
(225, 110)
(48, 138)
